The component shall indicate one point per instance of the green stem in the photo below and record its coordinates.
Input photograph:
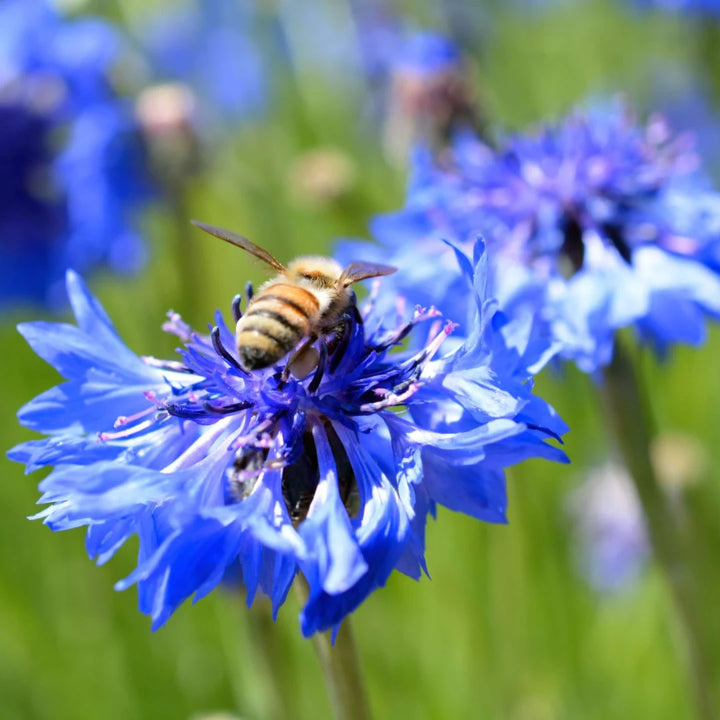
(261, 683)
(186, 251)
(626, 416)
(265, 639)
(340, 667)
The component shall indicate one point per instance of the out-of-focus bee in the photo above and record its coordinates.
(306, 300)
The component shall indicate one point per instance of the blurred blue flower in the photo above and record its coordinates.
(62, 62)
(426, 53)
(332, 475)
(611, 536)
(702, 7)
(427, 97)
(685, 100)
(73, 168)
(211, 47)
(410, 81)
(594, 224)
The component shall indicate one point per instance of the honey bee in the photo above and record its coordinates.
(305, 301)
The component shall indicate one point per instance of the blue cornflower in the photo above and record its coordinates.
(594, 224)
(211, 48)
(332, 475)
(73, 169)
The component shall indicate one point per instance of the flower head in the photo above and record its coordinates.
(73, 171)
(593, 224)
(332, 475)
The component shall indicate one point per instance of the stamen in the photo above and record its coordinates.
(200, 448)
(401, 333)
(344, 340)
(253, 438)
(177, 326)
(171, 365)
(127, 419)
(390, 398)
(371, 301)
(220, 350)
(256, 472)
(320, 370)
(226, 409)
(433, 346)
(135, 429)
(400, 307)
(396, 338)
(434, 329)
(249, 291)
(408, 387)
(236, 311)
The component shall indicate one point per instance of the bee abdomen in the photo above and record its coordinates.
(274, 323)
(291, 299)
(262, 341)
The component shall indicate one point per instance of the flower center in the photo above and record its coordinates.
(572, 250)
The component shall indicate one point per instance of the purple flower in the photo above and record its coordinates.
(593, 224)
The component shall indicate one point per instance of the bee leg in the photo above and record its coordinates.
(302, 361)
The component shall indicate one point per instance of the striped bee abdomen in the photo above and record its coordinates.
(276, 320)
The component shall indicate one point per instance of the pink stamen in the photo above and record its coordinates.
(104, 436)
(127, 419)
(390, 398)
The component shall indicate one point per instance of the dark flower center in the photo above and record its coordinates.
(301, 478)
(572, 250)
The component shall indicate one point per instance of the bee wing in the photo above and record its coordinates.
(241, 242)
(360, 270)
